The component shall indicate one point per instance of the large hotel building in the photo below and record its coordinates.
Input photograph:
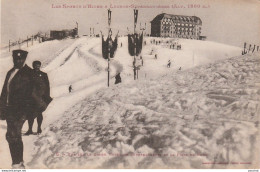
(176, 26)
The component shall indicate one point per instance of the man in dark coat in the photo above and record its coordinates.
(16, 103)
(42, 94)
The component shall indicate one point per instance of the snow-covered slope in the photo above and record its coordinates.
(193, 53)
(205, 117)
(79, 63)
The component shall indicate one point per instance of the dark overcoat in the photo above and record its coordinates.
(20, 102)
(41, 91)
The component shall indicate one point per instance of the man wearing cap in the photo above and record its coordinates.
(16, 102)
(41, 94)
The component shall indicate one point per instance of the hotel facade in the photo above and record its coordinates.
(176, 26)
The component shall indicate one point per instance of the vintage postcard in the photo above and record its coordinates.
(130, 84)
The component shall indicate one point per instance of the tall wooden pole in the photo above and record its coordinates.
(245, 48)
(9, 45)
(19, 44)
(135, 39)
(77, 28)
(27, 41)
(144, 28)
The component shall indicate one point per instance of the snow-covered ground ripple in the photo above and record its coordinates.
(205, 117)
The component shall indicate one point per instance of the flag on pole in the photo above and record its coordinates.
(131, 44)
(109, 46)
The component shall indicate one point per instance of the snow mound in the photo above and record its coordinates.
(205, 117)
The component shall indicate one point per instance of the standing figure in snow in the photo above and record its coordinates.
(180, 68)
(169, 64)
(121, 44)
(142, 61)
(42, 87)
(155, 56)
(118, 78)
(253, 49)
(17, 101)
(70, 88)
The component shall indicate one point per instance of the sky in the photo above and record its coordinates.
(231, 22)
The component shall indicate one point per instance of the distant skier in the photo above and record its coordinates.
(142, 61)
(169, 64)
(118, 79)
(121, 44)
(180, 68)
(70, 88)
(155, 56)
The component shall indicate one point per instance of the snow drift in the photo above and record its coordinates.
(205, 117)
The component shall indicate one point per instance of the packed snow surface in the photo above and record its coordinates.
(205, 115)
